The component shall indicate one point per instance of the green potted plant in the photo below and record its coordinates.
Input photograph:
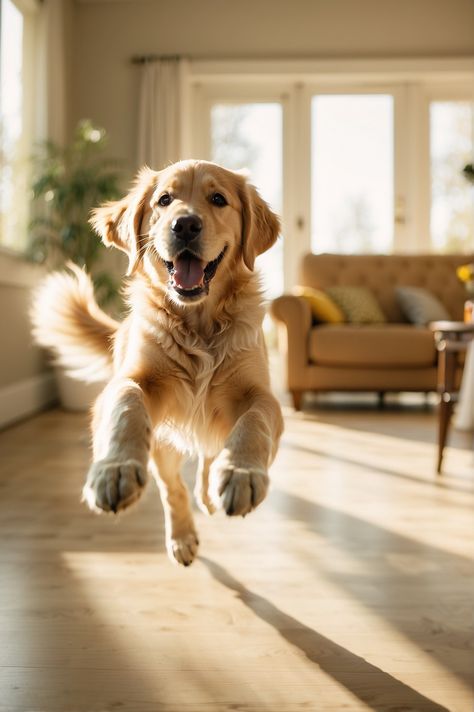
(67, 183)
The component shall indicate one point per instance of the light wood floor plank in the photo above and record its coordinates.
(350, 589)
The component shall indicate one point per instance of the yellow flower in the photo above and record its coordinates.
(466, 272)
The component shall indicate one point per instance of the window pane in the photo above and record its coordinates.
(452, 198)
(250, 136)
(13, 148)
(352, 173)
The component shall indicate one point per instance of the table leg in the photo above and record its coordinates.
(446, 385)
(444, 419)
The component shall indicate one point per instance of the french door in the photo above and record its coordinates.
(351, 168)
(248, 136)
(244, 132)
(452, 197)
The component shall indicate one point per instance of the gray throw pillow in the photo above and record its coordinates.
(420, 306)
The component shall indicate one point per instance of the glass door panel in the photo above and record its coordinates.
(352, 173)
(452, 197)
(249, 136)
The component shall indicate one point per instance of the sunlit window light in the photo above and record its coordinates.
(352, 173)
(249, 137)
(13, 146)
(452, 198)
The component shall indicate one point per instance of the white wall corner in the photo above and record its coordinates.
(24, 398)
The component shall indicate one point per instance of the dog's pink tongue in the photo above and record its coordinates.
(188, 272)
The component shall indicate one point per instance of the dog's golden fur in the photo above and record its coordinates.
(187, 366)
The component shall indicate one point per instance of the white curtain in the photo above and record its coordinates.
(54, 37)
(160, 111)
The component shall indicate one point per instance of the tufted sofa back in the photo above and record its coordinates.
(383, 273)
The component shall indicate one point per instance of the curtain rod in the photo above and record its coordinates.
(145, 58)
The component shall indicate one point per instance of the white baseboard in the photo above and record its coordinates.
(27, 397)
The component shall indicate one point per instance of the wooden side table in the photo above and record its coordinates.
(451, 339)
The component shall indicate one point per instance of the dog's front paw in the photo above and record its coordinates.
(182, 550)
(237, 489)
(112, 486)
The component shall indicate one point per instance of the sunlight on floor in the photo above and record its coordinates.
(169, 626)
(328, 452)
(379, 450)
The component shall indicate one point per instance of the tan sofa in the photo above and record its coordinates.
(394, 356)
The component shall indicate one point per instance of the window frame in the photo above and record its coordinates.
(348, 89)
(240, 93)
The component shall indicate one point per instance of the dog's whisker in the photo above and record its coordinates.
(143, 249)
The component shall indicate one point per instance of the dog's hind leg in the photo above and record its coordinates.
(201, 488)
(181, 537)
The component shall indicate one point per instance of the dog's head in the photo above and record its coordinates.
(190, 225)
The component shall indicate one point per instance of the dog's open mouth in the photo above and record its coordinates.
(190, 276)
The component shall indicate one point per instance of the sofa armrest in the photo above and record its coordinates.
(293, 315)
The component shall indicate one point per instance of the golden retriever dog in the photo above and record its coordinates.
(187, 367)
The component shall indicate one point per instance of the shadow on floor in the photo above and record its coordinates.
(344, 667)
(381, 420)
(438, 481)
(432, 582)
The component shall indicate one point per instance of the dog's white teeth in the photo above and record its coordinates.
(198, 285)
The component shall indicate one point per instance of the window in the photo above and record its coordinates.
(16, 120)
(356, 156)
(352, 173)
(452, 198)
(249, 136)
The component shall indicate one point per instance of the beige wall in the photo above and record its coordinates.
(108, 33)
(26, 383)
(20, 360)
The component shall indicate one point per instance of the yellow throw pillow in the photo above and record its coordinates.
(322, 307)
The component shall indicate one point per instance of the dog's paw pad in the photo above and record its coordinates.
(238, 490)
(183, 550)
(112, 486)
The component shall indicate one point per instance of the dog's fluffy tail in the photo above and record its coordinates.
(67, 320)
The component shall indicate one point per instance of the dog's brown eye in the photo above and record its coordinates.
(219, 200)
(165, 200)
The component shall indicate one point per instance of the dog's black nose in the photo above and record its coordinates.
(187, 227)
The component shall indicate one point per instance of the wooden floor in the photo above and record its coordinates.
(352, 588)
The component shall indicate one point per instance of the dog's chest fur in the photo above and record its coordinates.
(201, 366)
(191, 358)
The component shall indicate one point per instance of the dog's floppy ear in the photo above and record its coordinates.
(260, 225)
(119, 222)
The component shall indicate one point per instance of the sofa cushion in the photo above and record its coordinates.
(387, 345)
(358, 304)
(322, 306)
(420, 306)
(383, 273)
